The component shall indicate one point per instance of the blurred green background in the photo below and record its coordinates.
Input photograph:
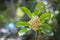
(11, 12)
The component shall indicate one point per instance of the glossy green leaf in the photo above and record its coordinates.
(23, 31)
(45, 16)
(39, 8)
(27, 11)
(18, 24)
(39, 4)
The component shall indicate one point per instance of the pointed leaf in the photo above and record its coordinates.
(18, 24)
(39, 8)
(27, 11)
(45, 16)
(23, 31)
(46, 26)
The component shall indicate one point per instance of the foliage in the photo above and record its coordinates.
(38, 9)
(23, 31)
(45, 16)
(18, 24)
(43, 26)
(27, 11)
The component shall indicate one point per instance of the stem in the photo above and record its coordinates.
(35, 35)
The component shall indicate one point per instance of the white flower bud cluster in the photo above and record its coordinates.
(35, 23)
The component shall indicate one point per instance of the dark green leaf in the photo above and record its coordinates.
(18, 24)
(46, 26)
(27, 11)
(45, 16)
(41, 30)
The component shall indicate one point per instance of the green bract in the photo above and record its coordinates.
(19, 24)
(27, 11)
(23, 31)
(45, 16)
(38, 9)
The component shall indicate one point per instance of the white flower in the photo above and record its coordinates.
(57, 11)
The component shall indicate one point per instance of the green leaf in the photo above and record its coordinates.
(38, 9)
(46, 26)
(45, 16)
(39, 4)
(41, 30)
(18, 24)
(27, 11)
(23, 31)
